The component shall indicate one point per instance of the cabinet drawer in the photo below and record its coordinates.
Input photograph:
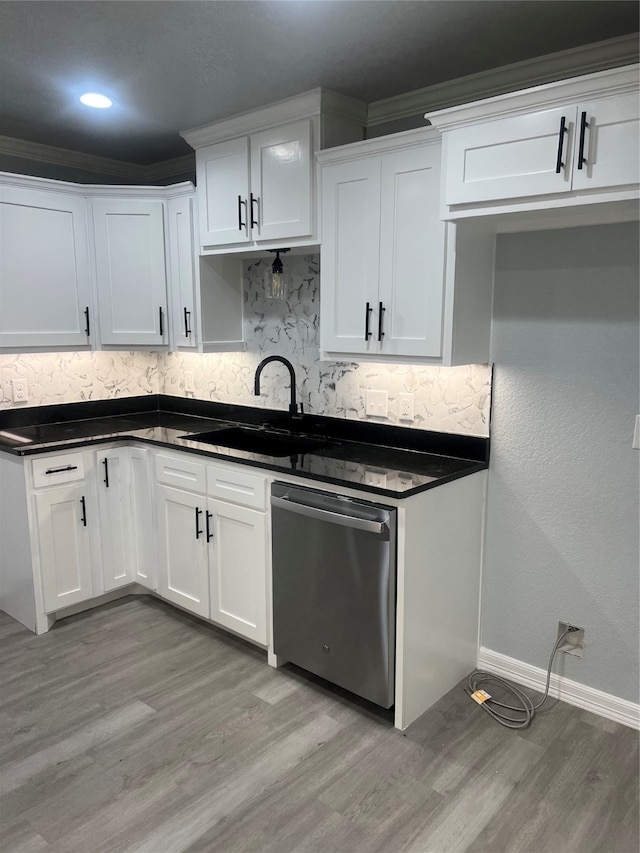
(237, 486)
(51, 471)
(181, 471)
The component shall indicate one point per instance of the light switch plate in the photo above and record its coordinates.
(636, 434)
(376, 403)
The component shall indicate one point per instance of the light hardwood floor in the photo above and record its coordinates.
(135, 728)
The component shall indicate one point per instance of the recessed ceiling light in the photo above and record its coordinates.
(93, 99)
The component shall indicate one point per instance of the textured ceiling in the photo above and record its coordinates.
(170, 66)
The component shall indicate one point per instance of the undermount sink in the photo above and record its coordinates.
(259, 441)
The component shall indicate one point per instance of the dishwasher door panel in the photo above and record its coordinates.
(334, 594)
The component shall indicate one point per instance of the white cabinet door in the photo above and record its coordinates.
(281, 175)
(64, 546)
(412, 240)
(44, 270)
(183, 572)
(143, 547)
(130, 271)
(513, 157)
(222, 173)
(182, 271)
(610, 143)
(115, 517)
(350, 256)
(238, 550)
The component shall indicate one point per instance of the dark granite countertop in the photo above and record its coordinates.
(381, 460)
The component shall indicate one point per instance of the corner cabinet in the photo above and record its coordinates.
(255, 171)
(45, 293)
(390, 275)
(130, 271)
(566, 144)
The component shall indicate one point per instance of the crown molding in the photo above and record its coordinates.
(416, 138)
(36, 151)
(578, 61)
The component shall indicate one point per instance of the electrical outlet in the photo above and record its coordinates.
(573, 643)
(189, 385)
(405, 407)
(20, 393)
(636, 434)
(376, 403)
(373, 477)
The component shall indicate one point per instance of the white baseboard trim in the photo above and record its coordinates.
(572, 692)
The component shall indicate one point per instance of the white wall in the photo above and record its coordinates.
(562, 519)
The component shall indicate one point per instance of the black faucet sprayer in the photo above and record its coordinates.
(293, 406)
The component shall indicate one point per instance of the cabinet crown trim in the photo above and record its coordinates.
(615, 81)
(30, 182)
(307, 105)
(418, 138)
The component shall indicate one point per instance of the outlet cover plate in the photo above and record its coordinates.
(19, 391)
(405, 407)
(573, 643)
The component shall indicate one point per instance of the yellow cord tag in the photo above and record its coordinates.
(480, 696)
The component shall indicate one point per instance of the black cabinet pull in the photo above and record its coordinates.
(563, 130)
(381, 310)
(161, 316)
(584, 124)
(187, 328)
(84, 511)
(198, 531)
(58, 470)
(241, 224)
(367, 317)
(105, 462)
(256, 201)
(87, 326)
(208, 517)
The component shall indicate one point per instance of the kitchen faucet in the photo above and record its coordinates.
(293, 407)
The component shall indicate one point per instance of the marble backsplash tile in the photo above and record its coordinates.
(446, 399)
(73, 377)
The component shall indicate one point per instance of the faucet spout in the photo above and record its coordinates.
(293, 406)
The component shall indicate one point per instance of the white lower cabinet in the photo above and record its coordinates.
(238, 568)
(64, 546)
(212, 553)
(93, 523)
(183, 573)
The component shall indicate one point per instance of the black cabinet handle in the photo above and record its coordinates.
(584, 124)
(87, 326)
(241, 224)
(83, 503)
(367, 317)
(105, 462)
(187, 328)
(256, 201)
(208, 517)
(563, 130)
(161, 316)
(198, 531)
(58, 470)
(381, 310)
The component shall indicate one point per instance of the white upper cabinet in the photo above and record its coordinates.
(383, 280)
(566, 144)
(255, 186)
(130, 271)
(182, 272)
(45, 297)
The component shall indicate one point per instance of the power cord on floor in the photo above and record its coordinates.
(524, 711)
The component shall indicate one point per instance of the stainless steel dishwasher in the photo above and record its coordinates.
(334, 588)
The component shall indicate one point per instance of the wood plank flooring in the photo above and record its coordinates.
(135, 728)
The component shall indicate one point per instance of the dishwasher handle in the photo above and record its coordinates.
(378, 527)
